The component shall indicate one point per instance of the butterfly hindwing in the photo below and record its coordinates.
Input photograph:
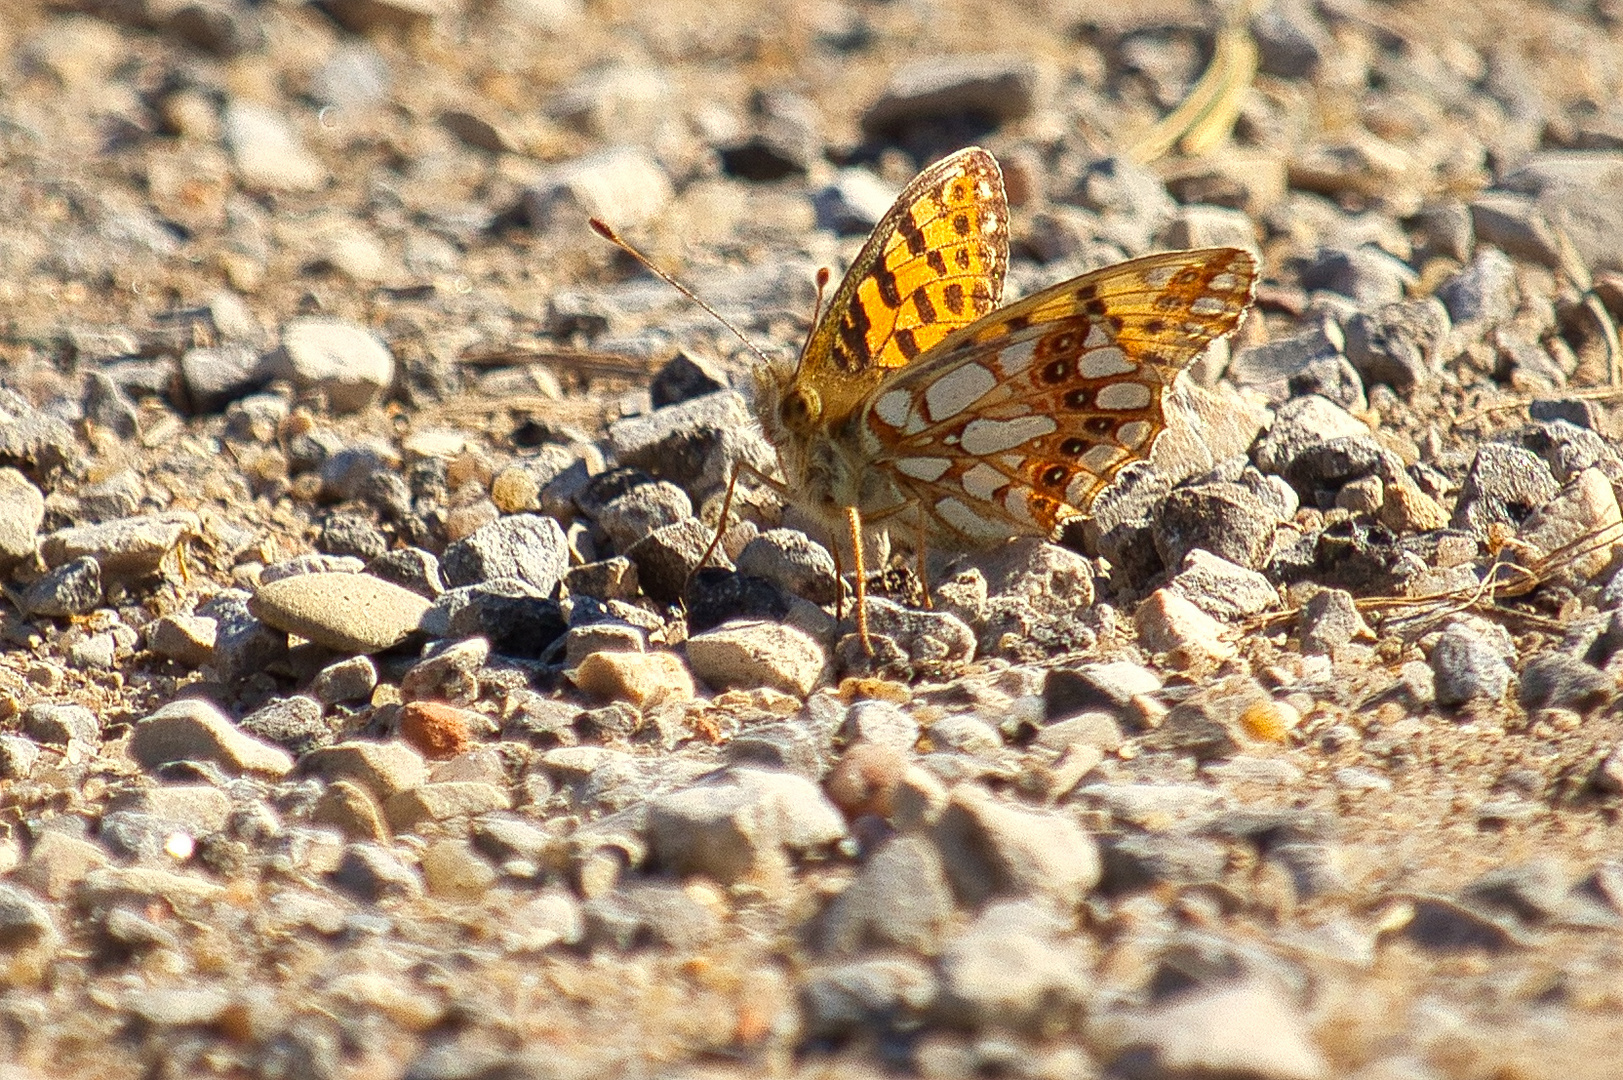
(1018, 421)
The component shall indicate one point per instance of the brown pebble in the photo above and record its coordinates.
(864, 780)
(439, 731)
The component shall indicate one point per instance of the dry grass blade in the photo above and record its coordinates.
(1203, 120)
(1503, 580)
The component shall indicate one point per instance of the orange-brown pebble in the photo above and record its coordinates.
(435, 729)
(864, 780)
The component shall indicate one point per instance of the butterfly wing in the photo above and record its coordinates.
(1016, 423)
(933, 264)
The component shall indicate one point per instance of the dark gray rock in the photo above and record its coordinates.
(528, 547)
(372, 873)
(993, 849)
(794, 561)
(352, 535)
(411, 568)
(646, 914)
(1398, 344)
(1331, 620)
(1133, 863)
(683, 378)
(983, 91)
(74, 588)
(667, 557)
(1466, 666)
(57, 724)
(1291, 39)
(645, 508)
(1484, 292)
(1109, 688)
(505, 612)
(900, 900)
(1223, 589)
(294, 723)
(1366, 275)
(1562, 681)
(1227, 520)
(1504, 486)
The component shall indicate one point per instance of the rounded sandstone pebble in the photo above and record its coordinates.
(438, 730)
(864, 780)
(352, 613)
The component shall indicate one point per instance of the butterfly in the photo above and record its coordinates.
(918, 400)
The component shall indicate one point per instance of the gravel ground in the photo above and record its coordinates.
(352, 723)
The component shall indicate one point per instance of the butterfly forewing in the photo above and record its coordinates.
(933, 265)
(1015, 423)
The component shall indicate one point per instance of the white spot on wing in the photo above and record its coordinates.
(1103, 363)
(1017, 358)
(983, 437)
(957, 390)
(1098, 337)
(1158, 278)
(983, 481)
(1209, 305)
(1017, 503)
(1135, 434)
(892, 407)
(1100, 459)
(928, 469)
(966, 521)
(1123, 396)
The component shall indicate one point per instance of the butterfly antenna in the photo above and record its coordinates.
(817, 311)
(606, 231)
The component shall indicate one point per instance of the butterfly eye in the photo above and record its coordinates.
(801, 407)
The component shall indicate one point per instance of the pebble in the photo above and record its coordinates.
(1245, 1028)
(1168, 624)
(74, 588)
(350, 613)
(900, 900)
(374, 874)
(267, 151)
(347, 680)
(622, 185)
(443, 800)
(384, 769)
(193, 730)
(992, 849)
(344, 362)
(294, 723)
(127, 547)
(436, 730)
(1001, 88)
(642, 679)
(749, 654)
(22, 509)
(1556, 680)
(1582, 520)
(1466, 666)
(527, 547)
(1223, 589)
(1014, 968)
(1330, 620)
(741, 825)
(186, 639)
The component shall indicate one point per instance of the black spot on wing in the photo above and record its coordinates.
(926, 310)
(907, 343)
(953, 296)
(910, 232)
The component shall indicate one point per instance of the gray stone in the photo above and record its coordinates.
(923, 637)
(25, 923)
(450, 672)
(640, 511)
(33, 440)
(372, 874)
(310, 564)
(1367, 275)
(880, 722)
(986, 87)
(1228, 520)
(384, 769)
(1223, 589)
(1110, 687)
(1246, 1029)
(57, 724)
(17, 757)
(1579, 189)
(1561, 681)
(651, 913)
(1291, 39)
(74, 588)
(1505, 485)
(192, 730)
(794, 561)
(344, 362)
(990, 849)
(1016, 967)
(217, 375)
(505, 612)
(294, 723)
(740, 824)
(1466, 666)
(528, 547)
(127, 547)
(186, 639)
(684, 377)
(1330, 620)
(863, 996)
(900, 900)
(411, 568)
(1299, 424)
(243, 645)
(1134, 862)
(22, 508)
(352, 613)
(745, 655)
(347, 680)
(267, 152)
(1398, 344)
(667, 557)
(1484, 293)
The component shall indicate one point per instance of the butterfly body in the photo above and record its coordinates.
(918, 402)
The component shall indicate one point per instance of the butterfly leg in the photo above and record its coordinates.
(919, 552)
(853, 517)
